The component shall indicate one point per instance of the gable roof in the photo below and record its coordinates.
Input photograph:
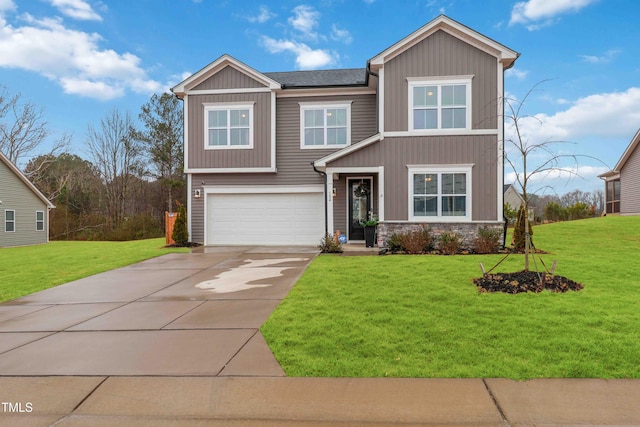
(322, 162)
(635, 141)
(217, 65)
(628, 152)
(26, 181)
(443, 22)
(321, 78)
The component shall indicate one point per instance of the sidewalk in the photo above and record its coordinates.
(269, 401)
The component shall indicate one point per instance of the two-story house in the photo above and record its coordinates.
(415, 137)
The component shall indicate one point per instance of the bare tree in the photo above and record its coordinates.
(23, 129)
(117, 158)
(524, 149)
(75, 187)
(596, 199)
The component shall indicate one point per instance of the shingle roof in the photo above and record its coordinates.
(320, 78)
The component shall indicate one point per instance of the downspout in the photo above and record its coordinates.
(374, 74)
(326, 194)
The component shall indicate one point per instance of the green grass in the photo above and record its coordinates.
(421, 316)
(28, 269)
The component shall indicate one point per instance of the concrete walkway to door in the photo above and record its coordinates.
(179, 314)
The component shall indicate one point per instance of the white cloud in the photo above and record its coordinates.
(539, 13)
(98, 89)
(517, 73)
(560, 176)
(605, 115)
(306, 58)
(602, 59)
(7, 5)
(264, 15)
(340, 35)
(77, 9)
(593, 120)
(72, 58)
(305, 20)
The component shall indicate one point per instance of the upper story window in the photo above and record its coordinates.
(9, 221)
(439, 104)
(325, 125)
(442, 194)
(39, 220)
(228, 126)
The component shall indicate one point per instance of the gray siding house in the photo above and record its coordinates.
(512, 197)
(24, 210)
(622, 184)
(413, 138)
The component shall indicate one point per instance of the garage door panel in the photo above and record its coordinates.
(268, 219)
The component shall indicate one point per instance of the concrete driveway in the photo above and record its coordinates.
(192, 314)
(175, 341)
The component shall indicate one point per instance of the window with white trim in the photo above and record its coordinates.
(442, 194)
(325, 126)
(9, 221)
(228, 126)
(439, 104)
(39, 220)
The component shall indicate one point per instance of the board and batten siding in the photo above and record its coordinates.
(398, 152)
(292, 162)
(441, 54)
(258, 156)
(18, 197)
(341, 199)
(630, 185)
(227, 78)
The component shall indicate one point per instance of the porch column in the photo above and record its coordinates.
(329, 197)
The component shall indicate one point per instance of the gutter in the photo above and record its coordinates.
(326, 193)
(374, 74)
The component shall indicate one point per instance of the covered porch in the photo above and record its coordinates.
(356, 194)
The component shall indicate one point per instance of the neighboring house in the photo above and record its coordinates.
(512, 197)
(622, 184)
(24, 210)
(414, 138)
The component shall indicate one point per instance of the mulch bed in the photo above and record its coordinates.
(184, 245)
(525, 281)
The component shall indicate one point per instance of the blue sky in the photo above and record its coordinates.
(79, 59)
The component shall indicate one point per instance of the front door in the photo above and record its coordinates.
(359, 205)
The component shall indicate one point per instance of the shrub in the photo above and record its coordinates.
(487, 241)
(519, 230)
(180, 233)
(417, 241)
(510, 213)
(330, 245)
(450, 243)
(136, 227)
(394, 243)
(554, 212)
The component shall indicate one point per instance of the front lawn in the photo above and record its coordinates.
(29, 269)
(421, 316)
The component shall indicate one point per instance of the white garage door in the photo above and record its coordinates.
(265, 219)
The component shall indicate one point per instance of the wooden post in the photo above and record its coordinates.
(526, 242)
(169, 221)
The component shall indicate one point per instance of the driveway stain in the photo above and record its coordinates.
(239, 279)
